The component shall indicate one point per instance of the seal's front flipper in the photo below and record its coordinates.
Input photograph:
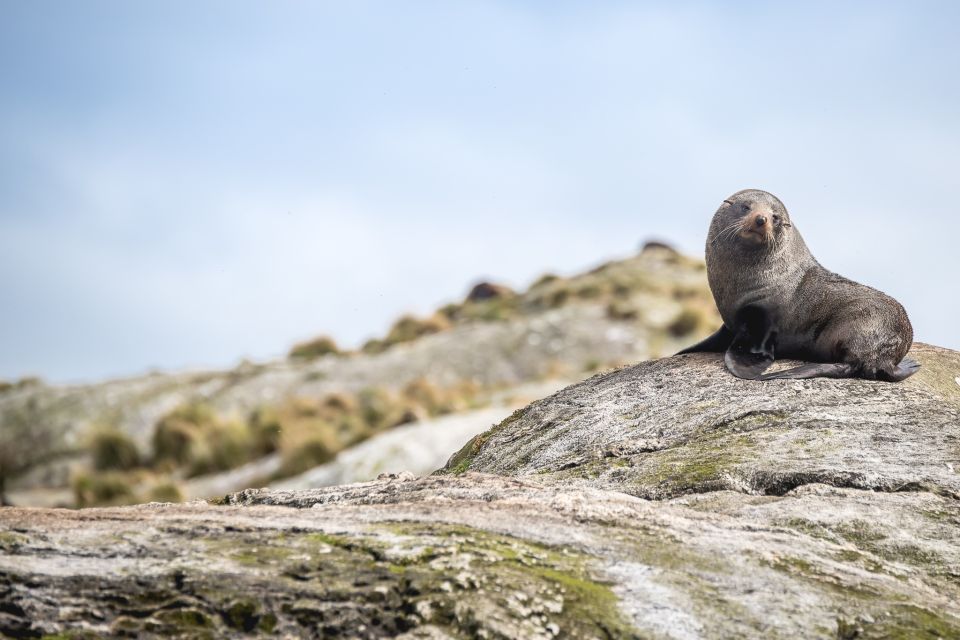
(717, 343)
(745, 364)
(813, 370)
(906, 368)
(751, 351)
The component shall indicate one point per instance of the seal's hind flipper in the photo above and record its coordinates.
(751, 350)
(814, 370)
(906, 368)
(717, 343)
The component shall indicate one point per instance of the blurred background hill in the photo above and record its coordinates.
(410, 397)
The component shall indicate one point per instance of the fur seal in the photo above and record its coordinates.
(777, 301)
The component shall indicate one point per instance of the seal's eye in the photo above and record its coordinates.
(745, 206)
(776, 218)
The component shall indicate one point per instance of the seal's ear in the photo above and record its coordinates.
(727, 202)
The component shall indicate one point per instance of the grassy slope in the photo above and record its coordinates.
(308, 408)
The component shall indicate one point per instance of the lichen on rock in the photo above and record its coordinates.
(663, 500)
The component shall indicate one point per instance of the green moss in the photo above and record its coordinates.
(327, 539)
(184, 618)
(242, 615)
(909, 621)
(753, 420)
(459, 462)
(10, 541)
(267, 623)
(700, 465)
(873, 550)
(943, 515)
(413, 570)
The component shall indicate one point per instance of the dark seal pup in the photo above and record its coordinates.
(776, 301)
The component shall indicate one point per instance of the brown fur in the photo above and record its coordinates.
(819, 316)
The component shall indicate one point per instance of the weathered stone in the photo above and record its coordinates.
(663, 500)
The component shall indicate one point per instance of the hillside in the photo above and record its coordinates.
(149, 437)
(667, 499)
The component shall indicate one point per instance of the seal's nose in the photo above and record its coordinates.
(760, 221)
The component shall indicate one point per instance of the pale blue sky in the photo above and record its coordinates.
(183, 184)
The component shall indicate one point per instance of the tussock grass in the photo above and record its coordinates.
(313, 349)
(103, 489)
(113, 450)
(690, 320)
(197, 439)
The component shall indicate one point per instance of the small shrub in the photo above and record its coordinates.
(194, 437)
(687, 321)
(374, 346)
(377, 408)
(113, 450)
(338, 403)
(265, 429)
(467, 394)
(655, 246)
(589, 290)
(313, 349)
(176, 435)
(26, 440)
(558, 298)
(223, 445)
(450, 311)
(490, 310)
(102, 489)
(167, 491)
(545, 279)
(622, 310)
(5, 386)
(307, 454)
(424, 394)
(410, 328)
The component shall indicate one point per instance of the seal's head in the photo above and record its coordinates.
(752, 219)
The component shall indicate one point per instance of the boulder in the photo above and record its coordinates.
(663, 500)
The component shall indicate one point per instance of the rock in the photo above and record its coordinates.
(682, 425)
(489, 291)
(666, 500)
(657, 245)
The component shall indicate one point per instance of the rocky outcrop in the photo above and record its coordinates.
(683, 425)
(663, 500)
